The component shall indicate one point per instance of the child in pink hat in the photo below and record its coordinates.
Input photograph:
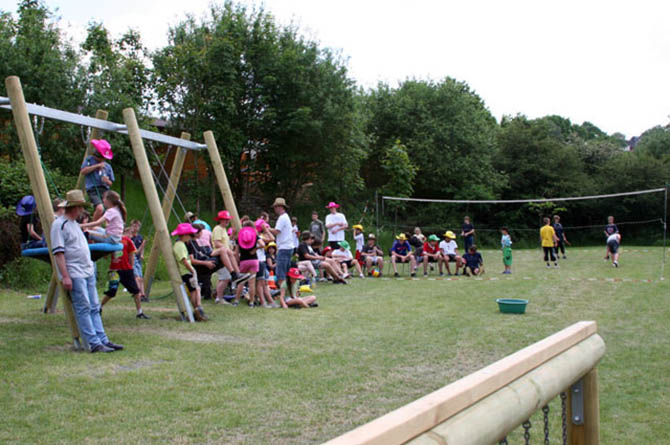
(247, 243)
(185, 232)
(98, 174)
(221, 243)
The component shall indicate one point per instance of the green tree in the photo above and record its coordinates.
(399, 172)
(655, 142)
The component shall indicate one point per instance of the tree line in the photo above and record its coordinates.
(290, 121)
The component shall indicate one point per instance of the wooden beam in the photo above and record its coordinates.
(168, 200)
(423, 414)
(500, 413)
(221, 178)
(161, 233)
(37, 182)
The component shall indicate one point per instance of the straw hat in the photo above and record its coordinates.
(358, 226)
(372, 236)
(450, 234)
(271, 244)
(280, 202)
(188, 216)
(401, 237)
(74, 198)
(184, 229)
(103, 147)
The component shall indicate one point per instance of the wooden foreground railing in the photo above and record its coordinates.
(483, 407)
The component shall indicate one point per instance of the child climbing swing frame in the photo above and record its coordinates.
(21, 111)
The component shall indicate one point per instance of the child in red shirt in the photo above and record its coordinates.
(123, 265)
(431, 253)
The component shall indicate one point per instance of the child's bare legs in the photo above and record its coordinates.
(394, 258)
(358, 267)
(140, 284)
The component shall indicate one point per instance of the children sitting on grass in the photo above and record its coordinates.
(449, 250)
(474, 263)
(290, 295)
(188, 274)
(123, 265)
(401, 251)
(506, 245)
(431, 253)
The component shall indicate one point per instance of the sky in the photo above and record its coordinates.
(606, 62)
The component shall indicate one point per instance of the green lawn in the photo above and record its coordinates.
(303, 376)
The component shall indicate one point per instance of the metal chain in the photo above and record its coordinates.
(564, 417)
(526, 433)
(503, 441)
(85, 137)
(545, 411)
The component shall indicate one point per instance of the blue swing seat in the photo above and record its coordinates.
(98, 250)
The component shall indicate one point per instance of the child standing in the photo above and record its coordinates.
(506, 245)
(247, 242)
(114, 218)
(185, 233)
(139, 242)
(473, 262)
(468, 233)
(548, 237)
(123, 265)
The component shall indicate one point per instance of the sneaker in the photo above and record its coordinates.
(201, 313)
(267, 306)
(275, 305)
(413, 274)
(556, 266)
(234, 303)
(395, 274)
(361, 276)
(615, 264)
(142, 316)
(144, 299)
(251, 304)
(114, 346)
(548, 265)
(441, 274)
(564, 257)
(241, 278)
(101, 348)
(315, 304)
(347, 275)
(425, 275)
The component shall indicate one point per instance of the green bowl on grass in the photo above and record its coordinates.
(512, 305)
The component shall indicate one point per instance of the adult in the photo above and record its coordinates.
(402, 251)
(610, 229)
(373, 255)
(283, 233)
(77, 273)
(98, 175)
(336, 223)
(317, 228)
(468, 233)
(29, 221)
(449, 250)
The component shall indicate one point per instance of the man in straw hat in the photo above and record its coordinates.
(283, 233)
(98, 174)
(76, 271)
(402, 251)
(449, 250)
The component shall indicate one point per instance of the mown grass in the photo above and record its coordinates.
(304, 376)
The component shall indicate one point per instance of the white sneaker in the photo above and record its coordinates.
(615, 264)
(361, 276)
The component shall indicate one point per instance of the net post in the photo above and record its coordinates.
(168, 200)
(665, 225)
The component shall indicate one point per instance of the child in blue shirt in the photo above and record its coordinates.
(473, 262)
(402, 251)
(506, 245)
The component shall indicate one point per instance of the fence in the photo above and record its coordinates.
(484, 407)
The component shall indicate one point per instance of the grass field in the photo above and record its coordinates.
(257, 376)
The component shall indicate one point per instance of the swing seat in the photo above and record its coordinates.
(98, 250)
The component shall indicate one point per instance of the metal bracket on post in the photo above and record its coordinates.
(187, 304)
(577, 402)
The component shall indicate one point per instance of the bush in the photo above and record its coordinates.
(14, 182)
(26, 273)
(10, 247)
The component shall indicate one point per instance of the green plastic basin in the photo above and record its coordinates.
(512, 305)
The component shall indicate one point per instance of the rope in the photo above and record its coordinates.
(158, 183)
(47, 174)
(170, 185)
(516, 201)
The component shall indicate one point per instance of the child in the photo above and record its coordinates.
(262, 287)
(188, 275)
(431, 253)
(373, 255)
(295, 232)
(345, 259)
(59, 207)
(247, 242)
(98, 174)
(468, 233)
(548, 237)
(292, 282)
(473, 261)
(221, 240)
(114, 218)
(613, 243)
(29, 221)
(139, 242)
(124, 265)
(402, 251)
(84, 218)
(610, 229)
(560, 235)
(359, 239)
(449, 250)
(506, 244)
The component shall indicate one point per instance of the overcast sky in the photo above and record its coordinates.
(607, 62)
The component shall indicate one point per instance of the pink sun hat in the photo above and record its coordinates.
(332, 205)
(184, 229)
(223, 214)
(247, 237)
(103, 147)
(260, 225)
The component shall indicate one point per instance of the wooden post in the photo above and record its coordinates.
(168, 199)
(161, 234)
(587, 433)
(221, 178)
(37, 181)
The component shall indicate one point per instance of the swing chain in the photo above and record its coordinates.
(564, 417)
(36, 126)
(85, 137)
(526, 433)
(545, 411)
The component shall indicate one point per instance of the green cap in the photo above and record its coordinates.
(344, 244)
(433, 238)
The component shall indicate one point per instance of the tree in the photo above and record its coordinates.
(399, 172)
(655, 142)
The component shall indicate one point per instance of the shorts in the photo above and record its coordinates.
(95, 194)
(137, 268)
(187, 281)
(262, 273)
(349, 263)
(127, 279)
(613, 246)
(316, 264)
(507, 256)
(374, 259)
(334, 245)
(431, 259)
(283, 263)
(400, 260)
(223, 274)
(450, 257)
(249, 266)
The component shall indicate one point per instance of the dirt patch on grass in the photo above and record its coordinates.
(206, 337)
